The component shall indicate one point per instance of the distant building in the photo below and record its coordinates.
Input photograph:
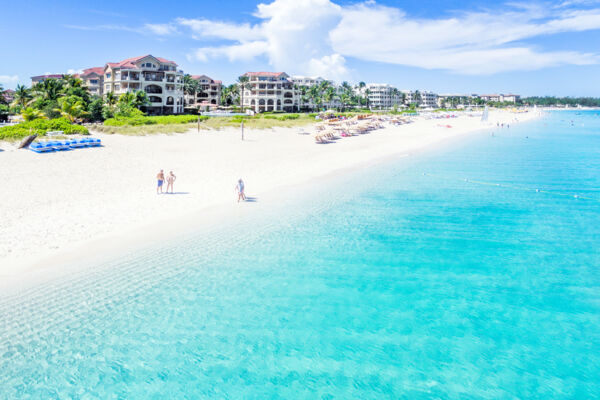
(270, 91)
(422, 98)
(9, 95)
(303, 85)
(501, 98)
(41, 78)
(381, 95)
(208, 95)
(156, 76)
(93, 79)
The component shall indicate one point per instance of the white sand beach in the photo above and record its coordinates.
(55, 202)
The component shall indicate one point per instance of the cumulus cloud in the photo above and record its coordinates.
(317, 36)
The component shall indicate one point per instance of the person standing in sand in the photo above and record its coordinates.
(160, 177)
(240, 190)
(170, 180)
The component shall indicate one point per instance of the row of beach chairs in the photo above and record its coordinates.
(61, 145)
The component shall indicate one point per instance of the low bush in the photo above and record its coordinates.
(40, 127)
(284, 117)
(154, 120)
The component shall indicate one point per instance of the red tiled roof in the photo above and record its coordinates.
(94, 70)
(198, 77)
(55, 76)
(130, 62)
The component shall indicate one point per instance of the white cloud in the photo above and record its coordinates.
(160, 29)
(316, 37)
(72, 71)
(475, 43)
(292, 34)
(9, 79)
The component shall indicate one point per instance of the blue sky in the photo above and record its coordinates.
(533, 48)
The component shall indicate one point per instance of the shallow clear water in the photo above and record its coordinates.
(443, 276)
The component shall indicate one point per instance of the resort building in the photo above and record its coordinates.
(93, 79)
(270, 91)
(8, 95)
(41, 78)
(501, 98)
(423, 98)
(303, 84)
(158, 77)
(208, 94)
(381, 95)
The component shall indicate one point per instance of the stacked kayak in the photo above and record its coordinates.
(62, 145)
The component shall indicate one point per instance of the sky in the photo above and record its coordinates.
(461, 47)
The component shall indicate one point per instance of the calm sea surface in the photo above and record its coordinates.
(467, 273)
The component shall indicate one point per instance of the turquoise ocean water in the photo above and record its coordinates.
(471, 272)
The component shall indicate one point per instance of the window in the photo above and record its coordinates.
(94, 81)
(108, 75)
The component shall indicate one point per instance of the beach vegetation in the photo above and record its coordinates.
(41, 126)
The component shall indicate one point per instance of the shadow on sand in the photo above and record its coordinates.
(250, 199)
(175, 193)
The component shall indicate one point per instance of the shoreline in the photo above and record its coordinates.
(271, 174)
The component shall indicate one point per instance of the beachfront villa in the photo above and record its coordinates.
(424, 99)
(208, 94)
(93, 79)
(270, 91)
(501, 98)
(380, 95)
(41, 78)
(158, 77)
(304, 83)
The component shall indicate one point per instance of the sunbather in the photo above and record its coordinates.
(160, 177)
(170, 180)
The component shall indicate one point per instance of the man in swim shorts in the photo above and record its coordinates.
(160, 178)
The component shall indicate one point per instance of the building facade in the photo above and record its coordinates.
(208, 95)
(381, 95)
(156, 76)
(41, 78)
(269, 91)
(303, 84)
(93, 79)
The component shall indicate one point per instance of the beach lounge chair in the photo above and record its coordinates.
(78, 143)
(60, 145)
(40, 148)
(94, 142)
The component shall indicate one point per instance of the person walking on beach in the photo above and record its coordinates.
(160, 177)
(170, 180)
(240, 190)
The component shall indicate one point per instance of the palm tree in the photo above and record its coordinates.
(30, 113)
(141, 99)
(48, 90)
(314, 93)
(22, 96)
(72, 108)
(367, 93)
(111, 99)
(190, 86)
(418, 97)
(403, 97)
(395, 93)
(243, 84)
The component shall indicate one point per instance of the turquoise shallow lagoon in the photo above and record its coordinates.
(471, 272)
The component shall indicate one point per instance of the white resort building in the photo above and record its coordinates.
(270, 91)
(158, 77)
(380, 95)
(303, 85)
(208, 95)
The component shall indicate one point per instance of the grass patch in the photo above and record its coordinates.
(40, 127)
(260, 121)
(154, 120)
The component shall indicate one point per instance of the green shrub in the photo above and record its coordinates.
(154, 120)
(40, 127)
